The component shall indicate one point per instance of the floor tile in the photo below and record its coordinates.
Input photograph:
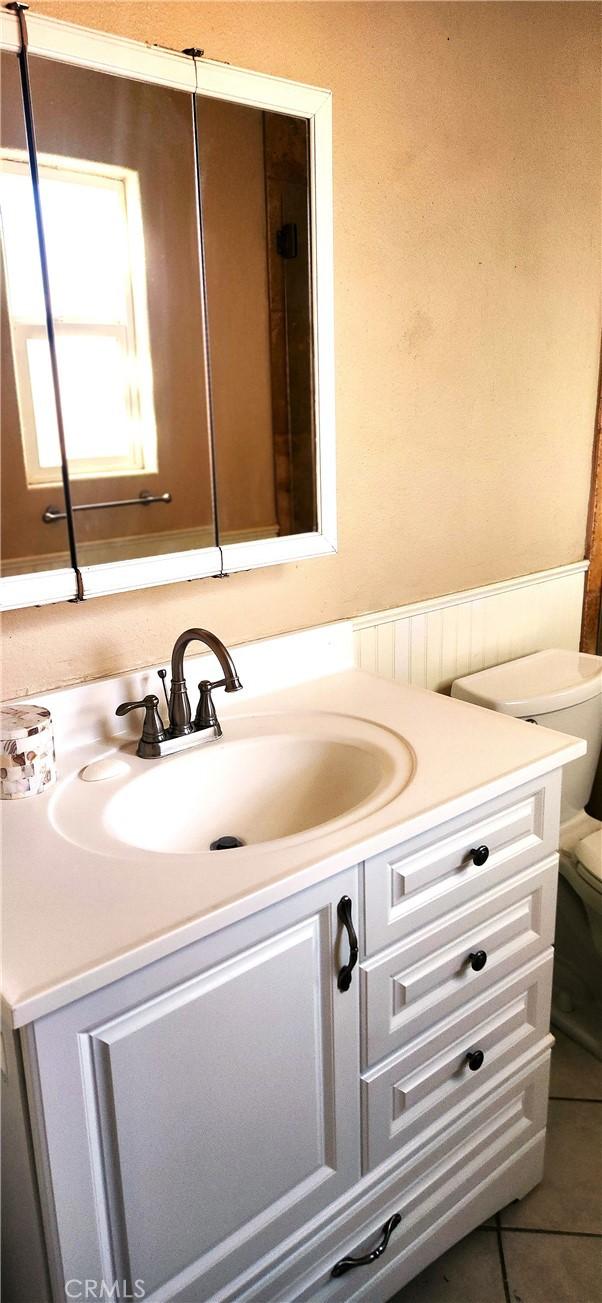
(575, 1074)
(552, 1268)
(570, 1195)
(470, 1270)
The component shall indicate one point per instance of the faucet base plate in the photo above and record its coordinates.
(171, 745)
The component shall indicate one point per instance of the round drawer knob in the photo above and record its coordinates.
(478, 959)
(475, 1060)
(479, 855)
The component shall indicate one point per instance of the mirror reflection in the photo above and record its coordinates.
(162, 458)
(26, 543)
(255, 188)
(119, 201)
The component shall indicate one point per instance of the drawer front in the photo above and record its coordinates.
(432, 1077)
(435, 1182)
(408, 886)
(421, 981)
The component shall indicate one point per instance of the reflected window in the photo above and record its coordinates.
(95, 245)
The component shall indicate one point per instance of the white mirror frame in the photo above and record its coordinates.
(67, 43)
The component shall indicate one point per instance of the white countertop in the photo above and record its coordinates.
(75, 919)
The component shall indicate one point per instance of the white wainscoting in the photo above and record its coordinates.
(431, 643)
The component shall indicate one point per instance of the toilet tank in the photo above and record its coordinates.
(559, 689)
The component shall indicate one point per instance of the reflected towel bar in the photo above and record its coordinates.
(144, 499)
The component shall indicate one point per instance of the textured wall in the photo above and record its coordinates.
(467, 227)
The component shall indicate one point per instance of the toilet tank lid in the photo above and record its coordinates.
(534, 685)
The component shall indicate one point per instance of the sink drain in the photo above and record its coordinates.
(226, 844)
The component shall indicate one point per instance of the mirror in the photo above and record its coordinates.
(187, 221)
(257, 267)
(26, 545)
(118, 194)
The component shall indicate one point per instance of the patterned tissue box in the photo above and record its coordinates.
(27, 762)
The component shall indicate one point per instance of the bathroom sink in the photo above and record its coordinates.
(269, 778)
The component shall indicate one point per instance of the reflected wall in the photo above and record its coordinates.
(118, 191)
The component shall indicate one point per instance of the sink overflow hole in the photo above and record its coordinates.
(226, 844)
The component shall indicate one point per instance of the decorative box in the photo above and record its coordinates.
(27, 759)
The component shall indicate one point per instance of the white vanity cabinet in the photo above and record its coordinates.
(226, 1125)
(198, 1112)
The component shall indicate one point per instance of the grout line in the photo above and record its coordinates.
(541, 1230)
(576, 1099)
(500, 1249)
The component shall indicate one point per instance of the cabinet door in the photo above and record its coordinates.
(201, 1110)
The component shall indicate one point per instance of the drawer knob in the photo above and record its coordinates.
(479, 855)
(478, 959)
(475, 1060)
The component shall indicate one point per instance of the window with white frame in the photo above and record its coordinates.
(95, 244)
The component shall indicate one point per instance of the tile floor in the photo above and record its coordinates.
(546, 1248)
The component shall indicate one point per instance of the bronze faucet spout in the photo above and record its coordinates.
(179, 704)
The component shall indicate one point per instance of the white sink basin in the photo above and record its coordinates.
(269, 778)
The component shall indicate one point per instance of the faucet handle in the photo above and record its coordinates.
(152, 729)
(205, 712)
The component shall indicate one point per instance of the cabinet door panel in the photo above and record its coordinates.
(242, 1044)
(206, 1117)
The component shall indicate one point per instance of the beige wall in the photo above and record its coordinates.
(467, 227)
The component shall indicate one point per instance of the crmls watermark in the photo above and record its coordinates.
(114, 1291)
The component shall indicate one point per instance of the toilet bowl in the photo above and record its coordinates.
(563, 690)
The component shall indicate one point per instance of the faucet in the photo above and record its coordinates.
(182, 731)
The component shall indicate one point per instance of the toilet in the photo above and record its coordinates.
(563, 690)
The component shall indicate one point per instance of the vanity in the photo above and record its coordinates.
(302, 1068)
(300, 1065)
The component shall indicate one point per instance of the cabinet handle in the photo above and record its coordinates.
(346, 1264)
(344, 909)
(479, 855)
(478, 959)
(475, 1060)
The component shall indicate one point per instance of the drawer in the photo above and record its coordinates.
(432, 1079)
(427, 976)
(483, 1160)
(407, 887)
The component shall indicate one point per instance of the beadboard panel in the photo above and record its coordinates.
(429, 644)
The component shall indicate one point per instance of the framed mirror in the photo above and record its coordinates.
(188, 229)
